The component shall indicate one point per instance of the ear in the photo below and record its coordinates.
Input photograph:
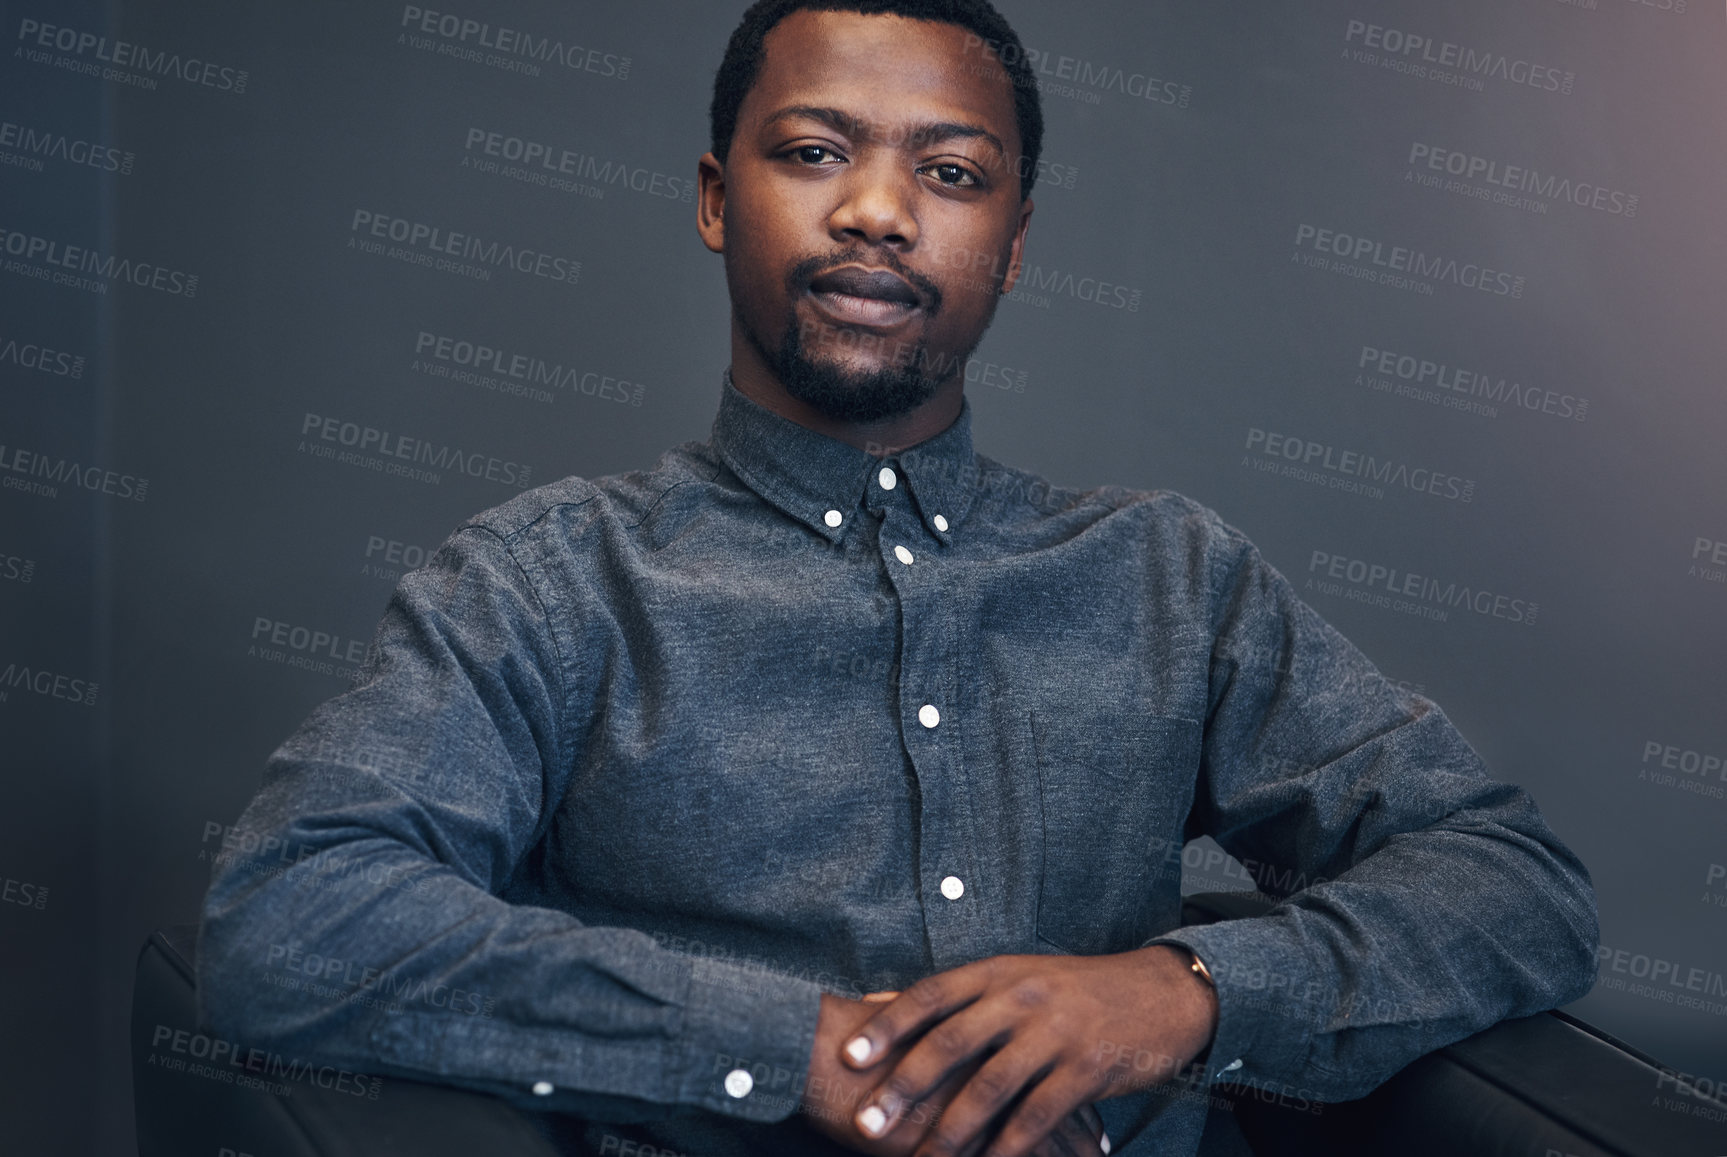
(1017, 247)
(711, 202)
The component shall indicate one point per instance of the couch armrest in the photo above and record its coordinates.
(1547, 1085)
(191, 1096)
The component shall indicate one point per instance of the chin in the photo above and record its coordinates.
(852, 390)
(851, 395)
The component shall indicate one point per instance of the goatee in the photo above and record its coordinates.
(910, 378)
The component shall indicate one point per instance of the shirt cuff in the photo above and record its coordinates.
(1267, 997)
(747, 1038)
(737, 1044)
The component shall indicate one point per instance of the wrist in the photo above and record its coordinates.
(1197, 1008)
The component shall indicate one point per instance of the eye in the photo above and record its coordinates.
(815, 154)
(954, 176)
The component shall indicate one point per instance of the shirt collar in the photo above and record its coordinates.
(807, 474)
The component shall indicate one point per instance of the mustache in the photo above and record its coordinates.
(800, 276)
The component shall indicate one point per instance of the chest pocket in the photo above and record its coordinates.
(1115, 794)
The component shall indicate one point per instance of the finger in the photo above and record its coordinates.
(1080, 1135)
(952, 1044)
(1093, 1121)
(909, 1013)
(986, 1098)
(1043, 1107)
(1090, 1117)
(1074, 1137)
(917, 1118)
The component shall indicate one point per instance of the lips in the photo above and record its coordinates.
(866, 296)
(877, 284)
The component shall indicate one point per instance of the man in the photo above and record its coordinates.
(671, 781)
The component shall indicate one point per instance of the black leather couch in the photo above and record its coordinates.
(1542, 1086)
(191, 1100)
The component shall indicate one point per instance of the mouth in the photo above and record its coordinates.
(870, 297)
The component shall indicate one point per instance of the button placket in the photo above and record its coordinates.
(948, 866)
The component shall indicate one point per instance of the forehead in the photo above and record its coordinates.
(888, 70)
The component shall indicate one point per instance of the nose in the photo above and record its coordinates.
(876, 205)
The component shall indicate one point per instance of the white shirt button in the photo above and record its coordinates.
(953, 887)
(1231, 1066)
(833, 518)
(902, 554)
(542, 1088)
(940, 523)
(887, 478)
(928, 715)
(739, 1083)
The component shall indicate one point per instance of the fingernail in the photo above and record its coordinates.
(859, 1049)
(873, 1121)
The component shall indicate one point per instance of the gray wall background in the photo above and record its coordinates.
(183, 289)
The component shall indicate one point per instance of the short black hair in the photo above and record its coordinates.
(743, 62)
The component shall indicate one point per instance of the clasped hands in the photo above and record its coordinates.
(1004, 1057)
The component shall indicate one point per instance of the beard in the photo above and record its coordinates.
(853, 395)
(848, 394)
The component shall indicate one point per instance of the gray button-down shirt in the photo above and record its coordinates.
(638, 766)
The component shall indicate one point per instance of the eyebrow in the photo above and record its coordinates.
(853, 126)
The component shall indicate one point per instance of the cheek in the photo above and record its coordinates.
(975, 263)
(780, 216)
(973, 289)
(753, 270)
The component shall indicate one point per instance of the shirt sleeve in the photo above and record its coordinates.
(356, 917)
(1421, 901)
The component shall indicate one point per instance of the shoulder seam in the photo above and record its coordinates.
(481, 524)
